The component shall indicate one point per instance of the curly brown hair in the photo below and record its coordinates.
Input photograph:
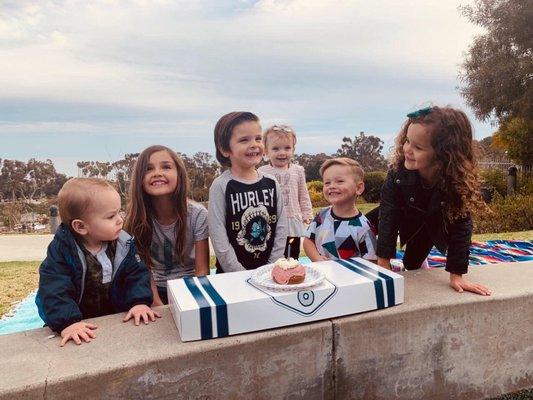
(451, 139)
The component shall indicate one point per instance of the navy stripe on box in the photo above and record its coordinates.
(206, 324)
(378, 285)
(389, 281)
(221, 306)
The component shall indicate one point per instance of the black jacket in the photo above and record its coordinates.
(62, 276)
(400, 212)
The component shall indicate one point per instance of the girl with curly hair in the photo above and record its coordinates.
(430, 193)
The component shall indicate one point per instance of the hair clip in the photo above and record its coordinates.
(282, 128)
(420, 113)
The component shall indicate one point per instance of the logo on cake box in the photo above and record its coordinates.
(304, 302)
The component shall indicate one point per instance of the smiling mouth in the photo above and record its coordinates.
(158, 183)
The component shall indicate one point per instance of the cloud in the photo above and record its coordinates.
(173, 67)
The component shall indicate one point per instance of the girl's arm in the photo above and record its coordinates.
(282, 229)
(201, 257)
(460, 284)
(459, 239)
(157, 300)
(389, 222)
(303, 196)
(312, 252)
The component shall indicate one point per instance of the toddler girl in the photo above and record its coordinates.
(280, 141)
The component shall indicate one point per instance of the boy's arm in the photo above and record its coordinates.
(311, 251)
(309, 242)
(137, 281)
(282, 229)
(57, 296)
(368, 241)
(217, 229)
(303, 196)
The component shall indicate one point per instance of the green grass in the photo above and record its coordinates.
(363, 207)
(17, 280)
(20, 278)
(523, 235)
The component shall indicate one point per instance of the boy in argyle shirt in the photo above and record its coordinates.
(341, 231)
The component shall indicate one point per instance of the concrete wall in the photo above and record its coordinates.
(439, 344)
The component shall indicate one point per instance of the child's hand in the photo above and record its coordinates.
(307, 221)
(458, 283)
(141, 311)
(77, 331)
(384, 262)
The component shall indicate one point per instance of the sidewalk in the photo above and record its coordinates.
(30, 247)
(24, 247)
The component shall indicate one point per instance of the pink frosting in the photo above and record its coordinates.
(282, 276)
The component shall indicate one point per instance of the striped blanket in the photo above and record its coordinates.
(490, 252)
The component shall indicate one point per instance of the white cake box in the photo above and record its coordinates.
(227, 304)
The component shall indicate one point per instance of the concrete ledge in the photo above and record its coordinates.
(151, 362)
(439, 344)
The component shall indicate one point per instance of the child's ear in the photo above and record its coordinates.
(360, 188)
(79, 227)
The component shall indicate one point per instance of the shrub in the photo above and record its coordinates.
(315, 185)
(315, 193)
(511, 213)
(496, 179)
(525, 183)
(373, 183)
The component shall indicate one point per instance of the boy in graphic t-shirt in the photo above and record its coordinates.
(247, 224)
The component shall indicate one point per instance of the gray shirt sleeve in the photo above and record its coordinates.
(217, 225)
(198, 222)
(282, 229)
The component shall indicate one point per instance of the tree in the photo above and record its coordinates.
(364, 149)
(516, 136)
(40, 175)
(498, 68)
(123, 170)
(12, 176)
(498, 72)
(97, 169)
(12, 212)
(311, 164)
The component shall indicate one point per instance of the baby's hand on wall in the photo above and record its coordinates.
(141, 311)
(77, 332)
(460, 284)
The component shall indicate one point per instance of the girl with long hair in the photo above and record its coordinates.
(170, 230)
(430, 194)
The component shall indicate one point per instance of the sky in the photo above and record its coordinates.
(94, 80)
